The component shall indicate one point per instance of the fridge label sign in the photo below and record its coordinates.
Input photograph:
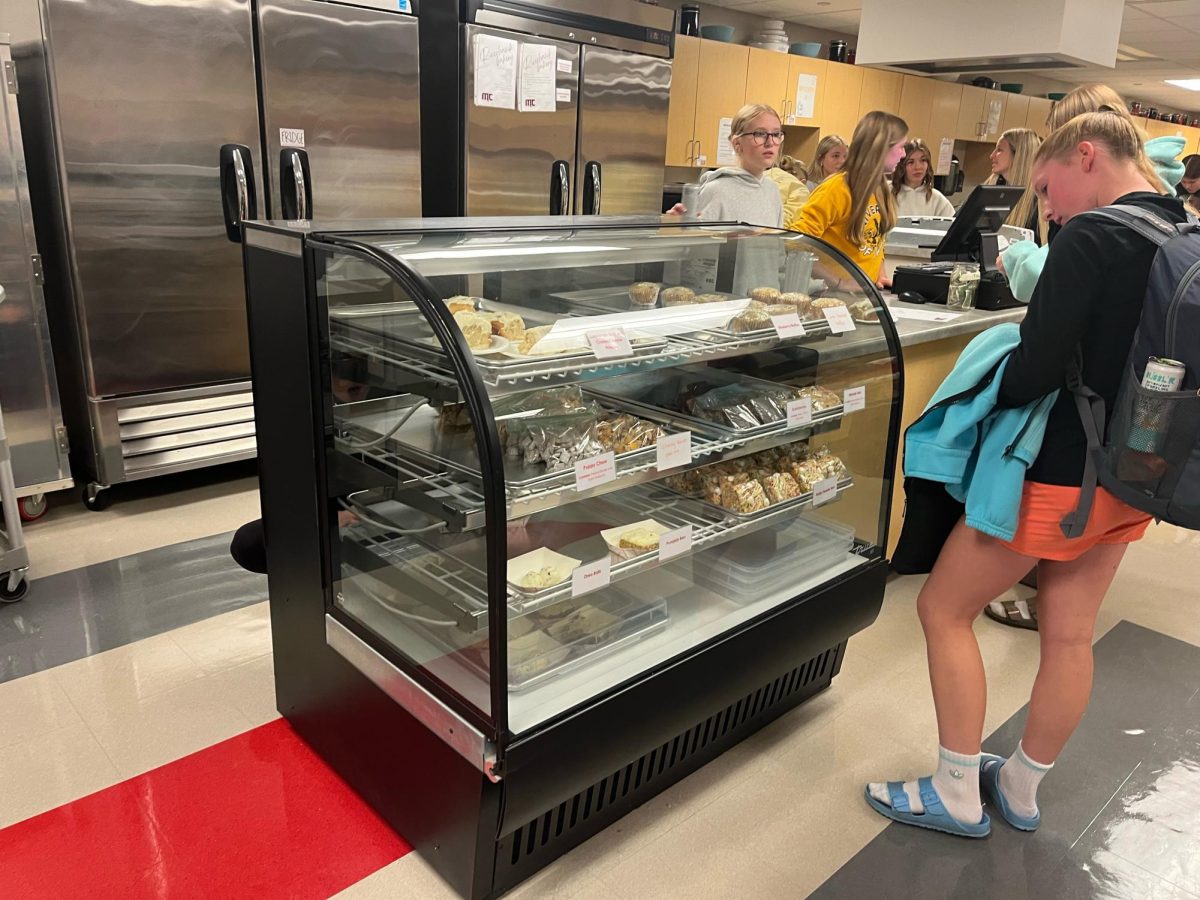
(674, 450)
(537, 78)
(839, 319)
(495, 71)
(824, 491)
(854, 399)
(562, 95)
(591, 576)
(675, 543)
(788, 326)
(564, 65)
(799, 412)
(291, 137)
(595, 471)
(609, 343)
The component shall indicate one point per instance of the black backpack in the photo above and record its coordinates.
(1149, 454)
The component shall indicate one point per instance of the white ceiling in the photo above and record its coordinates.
(1169, 30)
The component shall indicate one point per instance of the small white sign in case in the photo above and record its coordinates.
(799, 412)
(854, 399)
(591, 576)
(609, 343)
(674, 450)
(595, 471)
(675, 543)
(788, 326)
(839, 319)
(824, 491)
(291, 137)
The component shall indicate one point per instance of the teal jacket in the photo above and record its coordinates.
(979, 451)
(1023, 261)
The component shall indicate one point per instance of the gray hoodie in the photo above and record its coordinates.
(731, 194)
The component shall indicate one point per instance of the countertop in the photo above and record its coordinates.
(869, 338)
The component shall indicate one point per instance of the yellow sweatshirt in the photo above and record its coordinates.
(792, 191)
(826, 215)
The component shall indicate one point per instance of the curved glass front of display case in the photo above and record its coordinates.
(609, 444)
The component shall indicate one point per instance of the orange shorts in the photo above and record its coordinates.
(1043, 507)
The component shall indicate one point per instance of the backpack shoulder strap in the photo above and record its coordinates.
(1090, 406)
(1150, 226)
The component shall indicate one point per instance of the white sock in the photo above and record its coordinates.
(1019, 780)
(956, 781)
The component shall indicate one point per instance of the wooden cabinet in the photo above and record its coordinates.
(973, 113)
(681, 114)
(1039, 111)
(916, 105)
(767, 78)
(995, 104)
(817, 68)
(843, 90)
(1016, 113)
(943, 115)
(880, 90)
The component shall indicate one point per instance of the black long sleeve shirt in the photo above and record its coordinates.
(1089, 295)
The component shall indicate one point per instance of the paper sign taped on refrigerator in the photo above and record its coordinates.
(291, 137)
(495, 71)
(537, 78)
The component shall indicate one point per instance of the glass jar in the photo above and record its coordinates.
(689, 19)
(964, 282)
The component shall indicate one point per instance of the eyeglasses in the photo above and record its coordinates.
(760, 137)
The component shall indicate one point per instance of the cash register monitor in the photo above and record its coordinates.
(979, 218)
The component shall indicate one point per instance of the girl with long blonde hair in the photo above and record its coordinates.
(830, 157)
(1011, 161)
(855, 209)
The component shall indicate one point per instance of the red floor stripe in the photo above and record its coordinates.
(257, 815)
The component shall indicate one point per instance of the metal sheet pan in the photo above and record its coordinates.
(772, 510)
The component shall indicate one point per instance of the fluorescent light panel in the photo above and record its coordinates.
(1191, 84)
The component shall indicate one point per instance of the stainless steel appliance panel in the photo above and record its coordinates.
(623, 102)
(348, 79)
(28, 386)
(512, 157)
(147, 92)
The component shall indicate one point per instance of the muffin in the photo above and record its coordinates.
(459, 303)
(476, 329)
(751, 320)
(802, 302)
(644, 293)
(678, 296)
(780, 309)
(508, 325)
(827, 303)
(767, 295)
(711, 298)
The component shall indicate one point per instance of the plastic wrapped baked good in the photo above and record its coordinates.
(533, 654)
(508, 325)
(767, 295)
(831, 465)
(477, 329)
(750, 320)
(677, 296)
(822, 398)
(827, 303)
(711, 298)
(532, 336)
(559, 441)
(780, 486)
(728, 405)
(453, 418)
(746, 497)
(461, 303)
(588, 623)
(623, 433)
(644, 293)
(802, 302)
(780, 309)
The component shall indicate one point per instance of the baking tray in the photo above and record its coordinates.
(611, 299)
(795, 503)
(636, 393)
(404, 323)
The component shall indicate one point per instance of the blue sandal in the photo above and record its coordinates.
(934, 817)
(989, 780)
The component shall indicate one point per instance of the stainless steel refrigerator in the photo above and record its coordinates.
(590, 142)
(159, 125)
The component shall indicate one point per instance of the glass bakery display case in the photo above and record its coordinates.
(559, 509)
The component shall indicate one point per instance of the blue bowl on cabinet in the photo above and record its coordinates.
(806, 48)
(717, 32)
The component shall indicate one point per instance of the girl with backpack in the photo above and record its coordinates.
(1089, 298)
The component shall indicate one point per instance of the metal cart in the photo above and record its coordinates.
(14, 559)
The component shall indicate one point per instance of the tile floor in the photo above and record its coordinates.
(774, 817)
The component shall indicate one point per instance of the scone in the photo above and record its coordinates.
(532, 336)
(678, 296)
(508, 325)
(641, 539)
(766, 295)
(476, 329)
(644, 293)
(459, 303)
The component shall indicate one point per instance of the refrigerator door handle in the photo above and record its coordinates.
(560, 188)
(295, 184)
(238, 198)
(591, 189)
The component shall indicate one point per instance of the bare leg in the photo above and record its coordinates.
(972, 570)
(1070, 594)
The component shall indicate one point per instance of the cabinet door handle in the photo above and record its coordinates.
(239, 202)
(691, 156)
(295, 184)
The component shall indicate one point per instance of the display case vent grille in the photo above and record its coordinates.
(637, 781)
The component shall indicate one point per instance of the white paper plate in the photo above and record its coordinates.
(612, 537)
(540, 558)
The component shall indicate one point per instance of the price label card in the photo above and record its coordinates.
(591, 576)
(788, 326)
(674, 450)
(595, 471)
(675, 543)
(824, 491)
(854, 399)
(799, 413)
(839, 319)
(609, 343)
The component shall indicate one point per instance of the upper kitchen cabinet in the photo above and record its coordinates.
(1039, 111)
(1016, 113)
(767, 79)
(843, 91)
(980, 113)
(806, 76)
(916, 106)
(880, 90)
(943, 114)
(681, 115)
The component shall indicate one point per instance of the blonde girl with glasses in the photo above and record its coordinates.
(743, 193)
(855, 209)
